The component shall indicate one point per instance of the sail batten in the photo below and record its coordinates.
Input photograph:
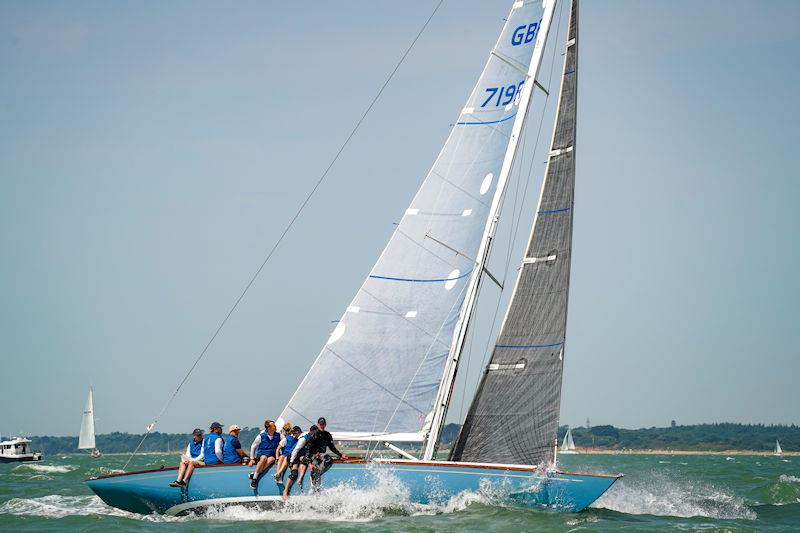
(381, 371)
(513, 417)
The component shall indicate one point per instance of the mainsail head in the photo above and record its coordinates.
(381, 369)
(86, 437)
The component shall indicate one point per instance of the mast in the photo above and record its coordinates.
(513, 417)
(451, 366)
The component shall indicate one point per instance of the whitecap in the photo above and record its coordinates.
(57, 506)
(47, 469)
(660, 495)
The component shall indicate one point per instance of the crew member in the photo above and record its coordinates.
(232, 452)
(212, 445)
(192, 458)
(264, 451)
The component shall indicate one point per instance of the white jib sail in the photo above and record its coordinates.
(778, 450)
(382, 367)
(86, 438)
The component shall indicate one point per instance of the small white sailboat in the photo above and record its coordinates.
(86, 440)
(778, 450)
(568, 445)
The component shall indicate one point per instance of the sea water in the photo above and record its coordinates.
(658, 493)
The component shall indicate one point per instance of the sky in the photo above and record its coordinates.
(151, 154)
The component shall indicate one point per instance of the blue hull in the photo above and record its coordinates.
(427, 482)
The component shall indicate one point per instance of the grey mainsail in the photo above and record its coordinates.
(387, 358)
(514, 415)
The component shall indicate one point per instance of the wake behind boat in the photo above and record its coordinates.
(387, 371)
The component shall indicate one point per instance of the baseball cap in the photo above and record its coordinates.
(216, 425)
(321, 420)
(234, 427)
(197, 431)
(297, 429)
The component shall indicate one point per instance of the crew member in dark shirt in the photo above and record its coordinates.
(317, 445)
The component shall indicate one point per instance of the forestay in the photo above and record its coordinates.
(514, 416)
(86, 437)
(380, 370)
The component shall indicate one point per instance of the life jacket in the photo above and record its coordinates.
(291, 442)
(210, 458)
(195, 448)
(301, 451)
(229, 453)
(269, 445)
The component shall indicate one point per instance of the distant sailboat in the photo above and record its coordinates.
(86, 440)
(778, 450)
(568, 445)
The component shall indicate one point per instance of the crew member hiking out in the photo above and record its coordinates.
(317, 445)
(264, 451)
(298, 460)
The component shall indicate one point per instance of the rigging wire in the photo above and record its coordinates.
(287, 228)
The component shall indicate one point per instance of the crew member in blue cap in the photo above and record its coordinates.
(212, 445)
(192, 458)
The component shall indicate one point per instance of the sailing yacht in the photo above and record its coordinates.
(568, 445)
(387, 371)
(86, 439)
(778, 450)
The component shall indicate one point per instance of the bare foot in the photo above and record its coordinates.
(285, 497)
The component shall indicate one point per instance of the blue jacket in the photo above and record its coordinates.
(208, 449)
(291, 442)
(195, 448)
(268, 445)
(229, 454)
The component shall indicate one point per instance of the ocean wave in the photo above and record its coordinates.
(785, 478)
(57, 506)
(46, 469)
(663, 496)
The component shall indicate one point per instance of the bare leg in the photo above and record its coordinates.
(283, 462)
(303, 469)
(181, 470)
(289, 483)
(264, 462)
(189, 470)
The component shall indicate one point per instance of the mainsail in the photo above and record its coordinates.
(514, 415)
(86, 438)
(778, 450)
(390, 355)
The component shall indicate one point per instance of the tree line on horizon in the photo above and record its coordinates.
(699, 437)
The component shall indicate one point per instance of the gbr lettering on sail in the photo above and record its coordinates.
(502, 96)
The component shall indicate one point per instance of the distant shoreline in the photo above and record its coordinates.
(600, 451)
